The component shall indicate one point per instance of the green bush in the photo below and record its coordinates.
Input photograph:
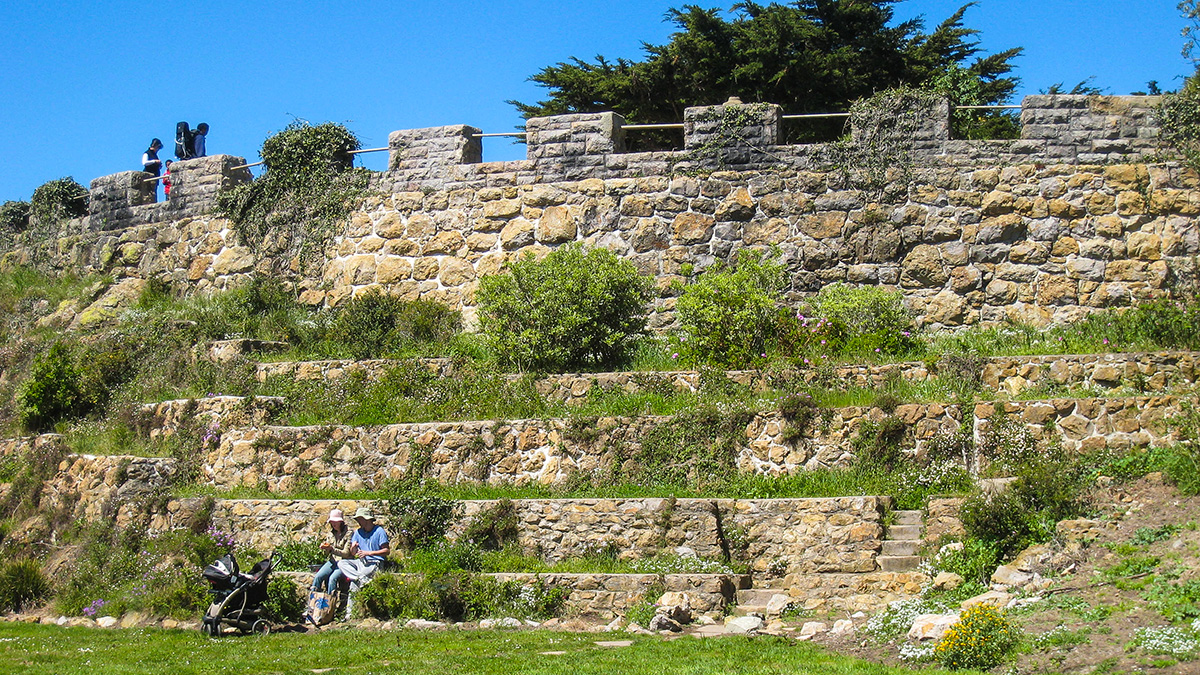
(865, 320)
(284, 601)
(974, 562)
(299, 203)
(728, 315)
(57, 200)
(54, 390)
(418, 517)
(1003, 521)
(1183, 465)
(442, 558)
(22, 585)
(879, 444)
(983, 638)
(374, 324)
(14, 216)
(457, 596)
(389, 596)
(494, 528)
(298, 556)
(576, 308)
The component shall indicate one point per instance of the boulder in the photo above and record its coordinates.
(107, 622)
(743, 625)
(663, 622)
(946, 581)
(1009, 575)
(931, 626)
(811, 628)
(506, 622)
(422, 624)
(778, 604)
(997, 599)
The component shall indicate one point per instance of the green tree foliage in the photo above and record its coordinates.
(1179, 116)
(1191, 11)
(54, 390)
(309, 188)
(576, 308)
(808, 56)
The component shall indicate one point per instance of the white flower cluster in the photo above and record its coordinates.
(1167, 640)
(673, 564)
(917, 653)
(899, 616)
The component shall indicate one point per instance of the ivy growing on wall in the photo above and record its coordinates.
(880, 152)
(1179, 117)
(298, 205)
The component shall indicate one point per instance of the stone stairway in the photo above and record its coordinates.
(902, 543)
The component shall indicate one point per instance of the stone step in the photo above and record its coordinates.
(915, 517)
(901, 548)
(903, 532)
(898, 563)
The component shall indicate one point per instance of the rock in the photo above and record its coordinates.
(743, 625)
(637, 630)
(1009, 575)
(931, 626)
(811, 628)
(692, 228)
(778, 604)
(842, 627)
(114, 300)
(135, 619)
(1082, 528)
(946, 581)
(676, 605)
(613, 643)
(705, 620)
(997, 599)
(685, 552)
(614, 625)
(81, 622)
(422, 624)
(107, 622)
(663, 622)
(506, 622)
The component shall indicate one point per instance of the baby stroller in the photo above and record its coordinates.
(238, 597)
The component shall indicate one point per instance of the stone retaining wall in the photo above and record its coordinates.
(840, 535)
(607, 596)
(207, 416)
(1081, 425)
(1012, 375)
(522, 451)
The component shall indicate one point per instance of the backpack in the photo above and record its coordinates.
(185, 144)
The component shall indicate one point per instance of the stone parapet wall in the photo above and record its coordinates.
(127, 200)
(1039, 244)
(803, 536)
(1086, 424)
(1092, 129)
(520, 451)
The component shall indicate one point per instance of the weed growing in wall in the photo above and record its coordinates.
(310, 186)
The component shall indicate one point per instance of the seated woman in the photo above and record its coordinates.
(369, 548)
(337, 547)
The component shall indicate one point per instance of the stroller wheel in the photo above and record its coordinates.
(210, 629)
(261, 628)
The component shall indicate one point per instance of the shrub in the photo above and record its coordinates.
(58, 199)
(878, 444)
(865, 319)
(284, 602)
(982, 638)
(1003, 521)
(494, 528)
(974, 561)
(375, 324)
(298, 556)
(729, 313)
(389, 596)
(443, 558)
(306, 193)
(1183, 466)
(22, 585)
(458, 596)
(14, 216)
(575, 308)
(53, 391)
(419, 518)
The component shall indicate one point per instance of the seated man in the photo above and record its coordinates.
(369, 547)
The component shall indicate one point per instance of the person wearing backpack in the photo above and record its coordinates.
(198, 149)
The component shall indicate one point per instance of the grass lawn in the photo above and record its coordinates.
(31, 648)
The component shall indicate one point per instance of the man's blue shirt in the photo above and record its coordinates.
(371, 542)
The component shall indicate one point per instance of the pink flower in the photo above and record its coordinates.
(675, 355)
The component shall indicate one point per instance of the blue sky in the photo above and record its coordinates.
(85, 85)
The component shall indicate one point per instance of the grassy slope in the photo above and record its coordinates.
(26, 648)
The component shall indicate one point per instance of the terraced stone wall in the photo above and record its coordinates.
(1081, 425)
(521, 451)
(840, 535)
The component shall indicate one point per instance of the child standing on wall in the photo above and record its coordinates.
(166, 181)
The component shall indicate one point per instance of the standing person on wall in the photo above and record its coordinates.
(166, 181)
(151, 164)
(198, 140)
